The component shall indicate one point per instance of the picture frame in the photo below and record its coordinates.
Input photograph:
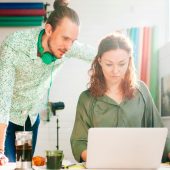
(164, 81)
(165, 96)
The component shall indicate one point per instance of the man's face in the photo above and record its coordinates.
(61, 39)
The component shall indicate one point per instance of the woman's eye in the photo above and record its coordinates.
(109, 64)
(122, 64)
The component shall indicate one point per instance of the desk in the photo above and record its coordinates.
(11, 166)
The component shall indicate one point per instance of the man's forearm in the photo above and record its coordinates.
(2, 135)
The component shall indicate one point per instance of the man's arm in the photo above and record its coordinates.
(3, 158)
(2, 136)
(82, 51)
(7, 78)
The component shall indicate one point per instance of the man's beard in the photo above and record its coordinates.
(50, 48)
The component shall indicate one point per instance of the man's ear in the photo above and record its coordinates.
(48, 29)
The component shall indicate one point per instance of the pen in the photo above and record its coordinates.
(68, 166)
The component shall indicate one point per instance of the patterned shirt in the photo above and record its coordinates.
(25, 79)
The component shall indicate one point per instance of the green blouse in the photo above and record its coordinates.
(140, 111)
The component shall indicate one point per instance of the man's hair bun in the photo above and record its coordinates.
(59, 3)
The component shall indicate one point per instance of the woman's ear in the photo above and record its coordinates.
(99, 60)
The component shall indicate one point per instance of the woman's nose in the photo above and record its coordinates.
(115, 69)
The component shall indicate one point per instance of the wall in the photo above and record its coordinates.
(98, 18)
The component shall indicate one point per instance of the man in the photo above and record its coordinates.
(27, 60)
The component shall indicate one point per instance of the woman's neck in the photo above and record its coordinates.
(114, 86)
(115, 92)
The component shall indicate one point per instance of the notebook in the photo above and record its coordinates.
(125, 148)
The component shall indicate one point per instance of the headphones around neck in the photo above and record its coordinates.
(46, 57)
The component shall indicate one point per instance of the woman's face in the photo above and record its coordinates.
(114, 65)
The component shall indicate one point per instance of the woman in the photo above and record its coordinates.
(115, 97)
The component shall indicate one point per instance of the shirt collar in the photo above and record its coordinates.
(32, 50)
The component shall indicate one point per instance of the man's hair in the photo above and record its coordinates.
(61, 11)
(97, 84)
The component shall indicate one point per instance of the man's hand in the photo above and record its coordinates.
(3, 159)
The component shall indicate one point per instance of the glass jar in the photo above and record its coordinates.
(54, 159)
(23, 144)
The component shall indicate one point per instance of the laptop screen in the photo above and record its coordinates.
(125, 147)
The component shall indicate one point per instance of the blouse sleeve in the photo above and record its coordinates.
(81, 126)
(153, 118)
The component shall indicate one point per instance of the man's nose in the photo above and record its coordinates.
(68, 45)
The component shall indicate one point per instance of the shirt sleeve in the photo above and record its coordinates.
(81, 126)
(153, 119)
(7, 79)
(82, 51)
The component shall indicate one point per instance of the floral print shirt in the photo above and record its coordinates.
(25, 79)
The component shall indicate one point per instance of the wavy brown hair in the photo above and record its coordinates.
(97, 84)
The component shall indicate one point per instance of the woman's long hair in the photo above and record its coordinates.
(97, 84)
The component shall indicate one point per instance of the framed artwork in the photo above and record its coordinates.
(164, 80)
(15, 14)
(165, 95)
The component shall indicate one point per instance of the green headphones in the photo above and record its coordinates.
(46, 57)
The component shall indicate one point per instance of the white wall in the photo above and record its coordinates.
(98, 18)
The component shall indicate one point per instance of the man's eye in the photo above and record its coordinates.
(65, 38)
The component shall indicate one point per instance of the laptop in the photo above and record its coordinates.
(125, 148)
